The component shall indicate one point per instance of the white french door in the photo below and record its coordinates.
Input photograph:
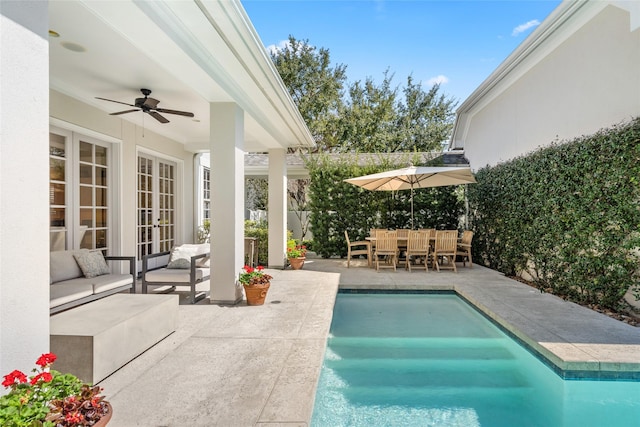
(157, 181)
(80, 199)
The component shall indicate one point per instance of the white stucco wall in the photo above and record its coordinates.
(589, 81)
(24, 198)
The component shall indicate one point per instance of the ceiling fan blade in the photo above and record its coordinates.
(111, 100)
(158, 117)
(123, 112)
(180, 113)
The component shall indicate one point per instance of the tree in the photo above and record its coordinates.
(367, 119)
(315, 86)
(425, 119)
(297, 190)
(373, 119)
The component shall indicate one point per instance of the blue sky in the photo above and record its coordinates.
(456, 42)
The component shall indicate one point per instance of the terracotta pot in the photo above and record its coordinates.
(256, 293)
(105, 418)
(297, 263)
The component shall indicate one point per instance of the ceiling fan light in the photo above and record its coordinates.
(74, 47)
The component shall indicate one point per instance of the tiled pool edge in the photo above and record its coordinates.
(568, 370)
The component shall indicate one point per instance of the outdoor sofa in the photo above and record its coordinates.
(81, 276)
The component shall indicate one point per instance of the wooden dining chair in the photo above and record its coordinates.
(445, 247)
(386, 248)
(464, 247)
(372, 233)
(418, 247)
(360, 247)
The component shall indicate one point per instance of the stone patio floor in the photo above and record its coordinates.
(258, 366)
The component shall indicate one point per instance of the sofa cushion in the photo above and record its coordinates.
(174, 276)
(63, 265)
(67, 291)
(110, 281)
(179, 264)
(92, 263)
(187, 250)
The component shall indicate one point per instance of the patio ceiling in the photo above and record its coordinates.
(189, 54)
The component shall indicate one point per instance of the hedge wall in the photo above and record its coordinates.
(567, 215)
(337, 206)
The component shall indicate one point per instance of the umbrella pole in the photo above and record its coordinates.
(412, 206)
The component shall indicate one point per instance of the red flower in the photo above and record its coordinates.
(44, 376)
(46, 359)
(73, 417)
(259, 268)
(95, 402)
(10, 379)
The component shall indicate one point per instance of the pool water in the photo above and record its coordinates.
(433, 360)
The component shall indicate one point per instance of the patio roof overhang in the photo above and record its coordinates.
(190, 54)
(257, 164)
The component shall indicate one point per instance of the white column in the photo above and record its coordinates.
(24, 178)
(277, 210)
(226, 143)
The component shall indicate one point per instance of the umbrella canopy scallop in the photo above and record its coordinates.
(413, 177)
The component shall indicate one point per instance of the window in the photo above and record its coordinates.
(206, 194)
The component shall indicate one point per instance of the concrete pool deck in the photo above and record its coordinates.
(258, 366)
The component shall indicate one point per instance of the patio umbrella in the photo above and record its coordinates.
(413, 177)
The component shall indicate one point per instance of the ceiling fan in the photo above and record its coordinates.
(149, 106)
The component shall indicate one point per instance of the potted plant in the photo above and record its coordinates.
(51, 399)
(256, 284)
(296, 254)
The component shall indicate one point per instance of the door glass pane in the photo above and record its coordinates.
(57, 147)
(101, 196)
(86, 174)
(57, 169)
(101, 238)
(56, 194)
(86, 217)
(87, 240)
(101, 176)
(57, 217)
(86, 196)
(101, 155)
(101, 218)
(86, 152)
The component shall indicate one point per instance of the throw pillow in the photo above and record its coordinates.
(179, 264)
(92, 264)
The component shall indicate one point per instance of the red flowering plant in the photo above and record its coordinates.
(253, 276)
(295, 250)
(49, 399)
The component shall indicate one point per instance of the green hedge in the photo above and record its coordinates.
(337, 206)
(260, 230)
(567, 215)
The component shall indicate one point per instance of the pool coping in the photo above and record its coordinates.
(562, 357)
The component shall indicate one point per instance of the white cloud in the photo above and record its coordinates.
(524, 27)
(438, 80)
(282, 45)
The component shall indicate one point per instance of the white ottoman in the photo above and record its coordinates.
(96, 339)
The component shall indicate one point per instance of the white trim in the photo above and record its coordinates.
(85, 131)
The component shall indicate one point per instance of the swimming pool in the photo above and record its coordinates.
(433, 360)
